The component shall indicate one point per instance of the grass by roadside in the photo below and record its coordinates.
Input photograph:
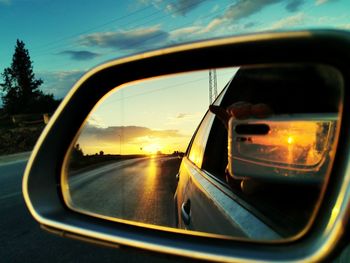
(83, 163)
(19, 139)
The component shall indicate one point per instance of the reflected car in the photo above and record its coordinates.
(260, 177)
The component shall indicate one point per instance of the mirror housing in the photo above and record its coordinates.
(42, 180)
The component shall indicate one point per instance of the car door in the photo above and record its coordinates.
(206, 203)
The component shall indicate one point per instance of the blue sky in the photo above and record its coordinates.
(66, 38)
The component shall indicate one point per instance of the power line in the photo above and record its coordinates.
(183, 25)
(92, 28)
(160, 89)
(112, 21)
(155, 35)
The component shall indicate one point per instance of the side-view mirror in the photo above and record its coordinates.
(136, 156)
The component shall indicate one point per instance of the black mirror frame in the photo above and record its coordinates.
(42, 180)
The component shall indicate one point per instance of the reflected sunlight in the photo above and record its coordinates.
(152, 148)
(290, 142)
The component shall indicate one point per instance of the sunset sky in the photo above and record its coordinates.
(156, 115)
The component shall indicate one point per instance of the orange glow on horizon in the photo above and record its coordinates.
(302, 132)
(297, 142)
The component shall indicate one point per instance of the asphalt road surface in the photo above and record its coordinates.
(139, 190)
(22, 240)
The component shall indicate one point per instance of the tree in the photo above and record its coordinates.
(77, 153)
(20, 89)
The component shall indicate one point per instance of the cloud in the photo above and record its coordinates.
(290, 21)
(184, 33)
(60, 82)
(182, 118)
(96, 121)
(127, 40)
(294, 6)
(244, 9)
(321, 2)
(182, 7)
(5, 2)
(344, 26)
(215, 8)
(183, 115)
(250, 25)
(213, 25)
(128, 134)
(177, 7)
(80, 55)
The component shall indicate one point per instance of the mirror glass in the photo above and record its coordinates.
(242, 152)
(285, 147)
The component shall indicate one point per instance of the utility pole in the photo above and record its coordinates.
(213, 91)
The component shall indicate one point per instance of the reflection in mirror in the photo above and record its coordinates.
(250, 164)
(296, 145)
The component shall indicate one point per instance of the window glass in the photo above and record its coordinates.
(200, 141)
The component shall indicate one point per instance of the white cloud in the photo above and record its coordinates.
(245, 8)
(185, 116)
(96, 120)
(215, 8)
(59, 82)
(175, 7)
(184, 33)
(321, 2)
(214, 24)
(290, 21)
(344, 26)
(182, 118)
(140, 38)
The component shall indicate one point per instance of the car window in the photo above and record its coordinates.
(199, 141)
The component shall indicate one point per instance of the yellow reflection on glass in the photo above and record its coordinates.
(290, 142)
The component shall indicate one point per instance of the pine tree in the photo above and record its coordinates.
(20, 89)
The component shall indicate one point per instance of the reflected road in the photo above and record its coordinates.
(140, 190)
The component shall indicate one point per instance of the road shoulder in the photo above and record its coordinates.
(14, 158)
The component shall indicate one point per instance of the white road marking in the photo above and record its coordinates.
(10, 195)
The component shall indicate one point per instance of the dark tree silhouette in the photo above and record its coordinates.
(77, 152)
(20, 87)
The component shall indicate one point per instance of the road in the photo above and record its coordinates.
(139, 189)
(22, 240)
